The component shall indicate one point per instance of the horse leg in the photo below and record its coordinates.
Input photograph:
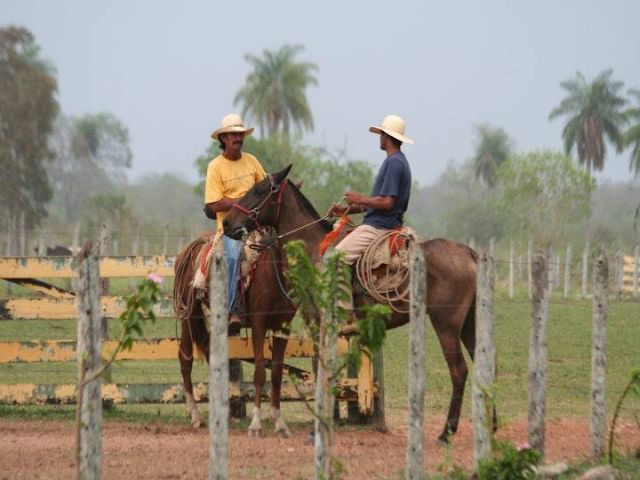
(185, 356)
(468, 336)
(449, 339)
(277, 364)
(257, 337)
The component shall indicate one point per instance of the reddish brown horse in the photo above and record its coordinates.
(275, 202)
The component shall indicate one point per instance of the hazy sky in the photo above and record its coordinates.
(170, 70)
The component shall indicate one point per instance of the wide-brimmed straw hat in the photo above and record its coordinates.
(231, 123)
(392, 125)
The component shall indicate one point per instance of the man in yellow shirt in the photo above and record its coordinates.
(229, 176)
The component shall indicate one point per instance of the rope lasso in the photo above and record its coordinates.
(393, 287)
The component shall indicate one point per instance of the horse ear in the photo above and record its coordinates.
(299, 184)
(278, 177)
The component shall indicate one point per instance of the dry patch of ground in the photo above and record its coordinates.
(33, 449)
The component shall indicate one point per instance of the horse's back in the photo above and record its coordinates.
(451, 272)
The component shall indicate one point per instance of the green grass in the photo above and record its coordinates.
(568, 373)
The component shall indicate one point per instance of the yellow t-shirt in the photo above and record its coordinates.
(231, 179)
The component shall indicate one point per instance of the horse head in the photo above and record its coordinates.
(260, 207)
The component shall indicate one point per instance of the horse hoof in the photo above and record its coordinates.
(442, 442)
(197, 424)
(310, 440)
(257, 433)
(284, 433)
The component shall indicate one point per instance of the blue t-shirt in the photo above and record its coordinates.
(393, 180)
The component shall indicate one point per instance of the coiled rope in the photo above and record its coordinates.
(393, 287)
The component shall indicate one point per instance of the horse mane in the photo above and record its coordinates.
(306, 204)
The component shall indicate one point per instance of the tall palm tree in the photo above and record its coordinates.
(274, 93)
(595, 112)
(632, 136)
(492, 149)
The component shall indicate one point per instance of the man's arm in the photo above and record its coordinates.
(379, 202)
(223, 205)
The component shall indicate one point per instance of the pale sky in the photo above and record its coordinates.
(169, 70)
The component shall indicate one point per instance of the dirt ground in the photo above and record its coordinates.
(33, 449)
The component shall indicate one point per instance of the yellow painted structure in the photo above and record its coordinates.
(63, 267)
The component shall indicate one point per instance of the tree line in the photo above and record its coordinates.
(62, 170)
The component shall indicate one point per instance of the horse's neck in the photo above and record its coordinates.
(302, 224)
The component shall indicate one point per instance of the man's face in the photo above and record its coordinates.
(232, 141)
(382, 140)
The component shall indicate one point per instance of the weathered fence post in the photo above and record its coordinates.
(165, 243)
(550, 268)
(598, 357)
(89, 409)
(103, 252)
(538, 354)
(135, 247)
(619, 278)
(636, 270)
(42, 245)
(512, 272)
(567, 272)
(417, 322)
(218, 371)
(75, 242)
(325, 398)
(556, 271)
(485, 366)
(529, 274)
(585, 270)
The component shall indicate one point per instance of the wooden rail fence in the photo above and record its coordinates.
(56, 303)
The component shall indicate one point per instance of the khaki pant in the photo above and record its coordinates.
(354, 244)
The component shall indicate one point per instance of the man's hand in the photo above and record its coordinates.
(355, 198)
(337, 210)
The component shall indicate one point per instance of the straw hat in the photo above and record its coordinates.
(231, 123)
(392, 125)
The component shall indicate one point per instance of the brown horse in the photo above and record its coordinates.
(451, 279)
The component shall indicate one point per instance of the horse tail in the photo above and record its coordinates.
(183, 292)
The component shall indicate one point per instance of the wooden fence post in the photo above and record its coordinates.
(567, 272)
(512, 272)
(529, 267)
(538, 355)
(379, 413)
(103, 252)
(325, 398)
(598, 359)
(636, 271)
(556, 271)
(550, 268)
(485, 366)
(619, 279)
(135, 246)
(89, 416)
(585, 271)
(75, 242)
(165, 243)
(417, 322)
(218, 371)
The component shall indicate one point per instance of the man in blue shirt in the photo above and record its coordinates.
(384, 209)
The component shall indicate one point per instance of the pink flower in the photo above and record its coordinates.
(155, 278)
(523, 446)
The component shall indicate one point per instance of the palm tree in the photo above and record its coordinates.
(595, 112)
(274, 91)
(492, 149)
(632, 136)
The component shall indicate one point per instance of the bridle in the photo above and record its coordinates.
(275, 194)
